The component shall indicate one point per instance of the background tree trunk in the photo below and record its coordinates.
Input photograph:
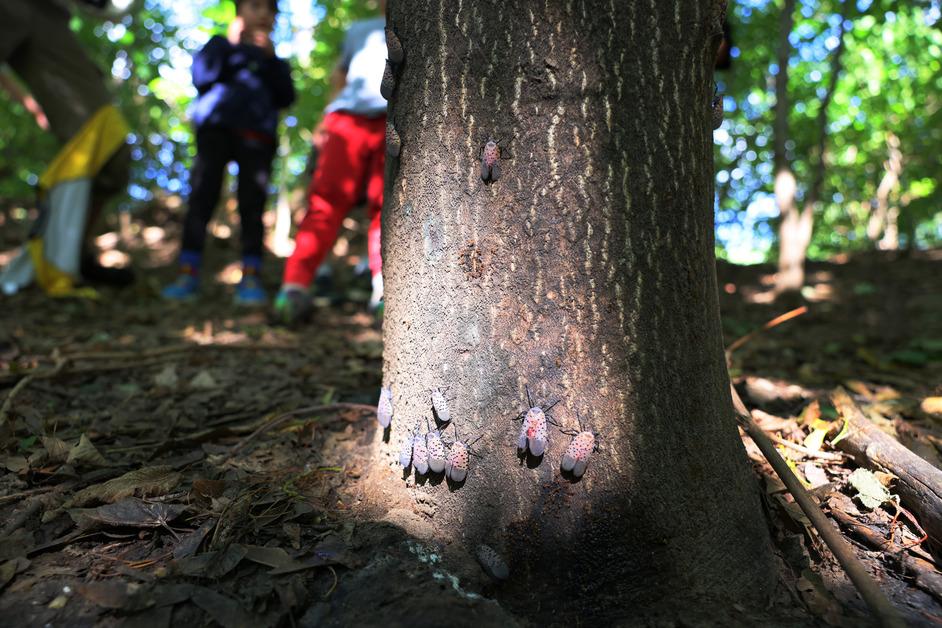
(792, 244)
(883, 219)
(798, 227)
(586, 272)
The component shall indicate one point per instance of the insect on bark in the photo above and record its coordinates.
(419, 455)
(576, 457)
(490, 162)
(393, 46)
(456, 464)
(534, 435)
(384, 408)
(388, 85)
(436, 451)
(405, 450)
(440, 406)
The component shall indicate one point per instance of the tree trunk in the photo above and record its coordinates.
(791, 250)
(585, 273)
(880, 219)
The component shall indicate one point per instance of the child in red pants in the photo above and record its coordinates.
(351, 141)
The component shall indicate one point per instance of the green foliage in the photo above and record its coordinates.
(891, 82)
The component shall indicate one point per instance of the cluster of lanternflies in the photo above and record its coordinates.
(427, 452)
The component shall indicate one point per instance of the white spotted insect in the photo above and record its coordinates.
(459, 456)
(436, 451)
(490, 161)
(419, 455)
(388, 85)
(384, 408)
(405, 450)
(440, 406)
(394, 46)
(580, 449)
(534, 435)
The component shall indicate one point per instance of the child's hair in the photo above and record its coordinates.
(272, 3)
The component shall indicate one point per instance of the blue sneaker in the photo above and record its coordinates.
(185, 287)
(250, 292)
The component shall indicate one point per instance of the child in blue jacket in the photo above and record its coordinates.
(242, 86)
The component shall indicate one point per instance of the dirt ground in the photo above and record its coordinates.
(191, 464)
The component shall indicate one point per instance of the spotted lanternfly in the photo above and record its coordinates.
(388, 85)
(394, 46)
(393, 143)
(405, 451)
(384, 408)
(717, 109)
(576, 456)
(436, 451)
(491, 562)
(456, 464)
(534, 435)
(419, 455)
(490, 162)
(440, 406)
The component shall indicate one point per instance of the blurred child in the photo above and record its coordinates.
(242, 86)
(70, 99)
(351, 143)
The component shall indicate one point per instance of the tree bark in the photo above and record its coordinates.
(584, 273)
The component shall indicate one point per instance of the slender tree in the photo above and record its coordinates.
(584, 274)
(797, 224)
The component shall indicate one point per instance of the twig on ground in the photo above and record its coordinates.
(125, 359)
(778, 320)
(32, 506)
(334, 585)
(164, 351)
(23, 383)
(926, 575)
(6, 499)
(810, 453)
(281, 418)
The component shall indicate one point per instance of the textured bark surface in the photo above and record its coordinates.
(585, 272)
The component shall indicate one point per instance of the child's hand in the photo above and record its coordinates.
(236, 31)
(262, 39)
(33, 107)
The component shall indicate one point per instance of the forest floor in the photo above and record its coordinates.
(183, 464)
